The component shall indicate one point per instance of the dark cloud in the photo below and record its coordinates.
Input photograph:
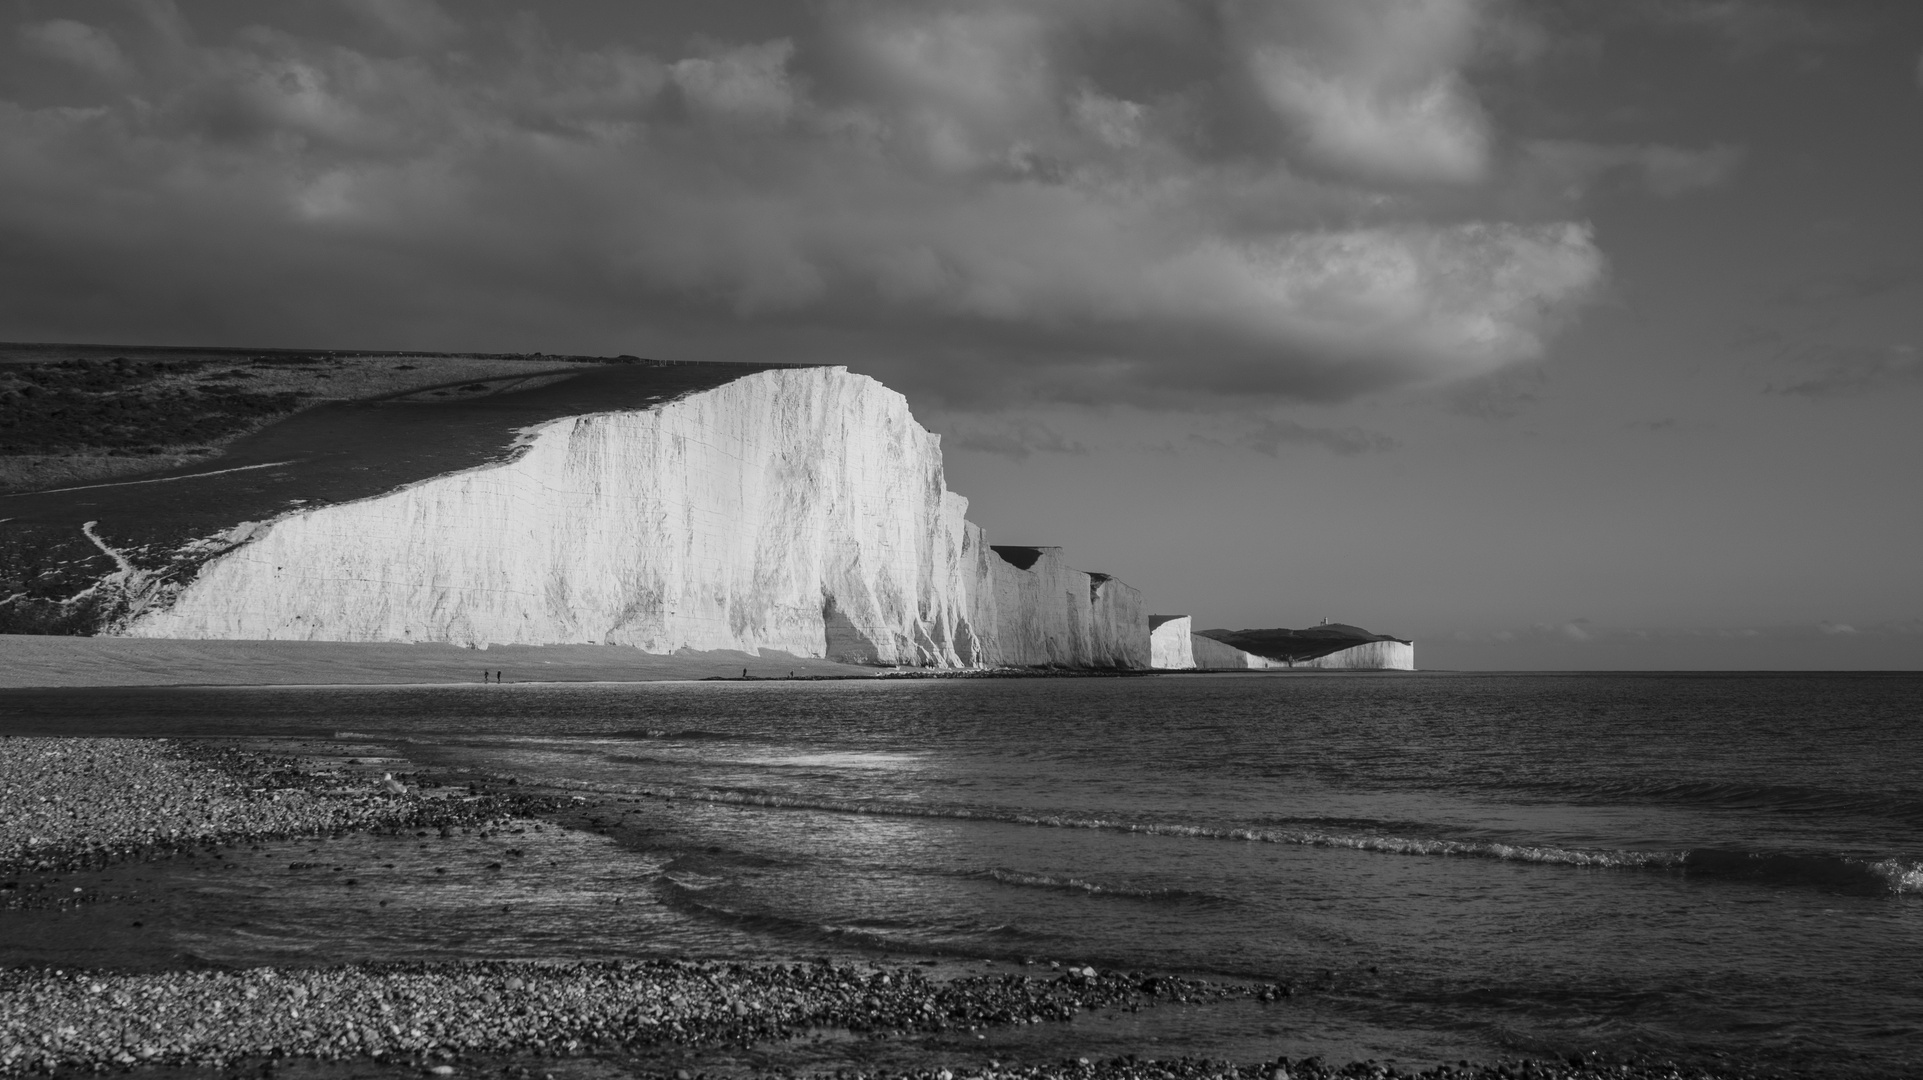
(1271, 436)
(1585, 631)
(1829, 371)
(415, 23)
(1568, 168)
(1861, 284)
(1750, 28)
(962, 198)
(1502, 396)
(1016, 437)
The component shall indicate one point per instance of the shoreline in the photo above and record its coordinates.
(54, 662)
(149, 799)
(32, 661)
(658, 1018)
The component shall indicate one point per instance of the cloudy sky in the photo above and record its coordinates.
(1559, 333)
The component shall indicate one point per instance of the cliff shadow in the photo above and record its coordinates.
(843, 641)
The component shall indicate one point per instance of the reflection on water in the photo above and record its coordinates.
(1673, 865)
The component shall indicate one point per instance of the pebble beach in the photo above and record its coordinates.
(443, 1019)
(71, 805)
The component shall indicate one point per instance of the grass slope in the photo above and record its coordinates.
(1297, 645)
(70, 414)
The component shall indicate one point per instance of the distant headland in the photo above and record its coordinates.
(534, 500)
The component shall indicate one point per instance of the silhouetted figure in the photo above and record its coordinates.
(744, 673)
(497, 678)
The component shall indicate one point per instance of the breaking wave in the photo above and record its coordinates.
(1888, 875)
(682, 735)
(1835, 872)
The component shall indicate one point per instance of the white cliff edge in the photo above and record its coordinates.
(1368, 656)
(1169, 646)
(1207, 654)
(801, 510)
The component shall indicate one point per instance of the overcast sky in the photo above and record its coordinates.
(1552, 334)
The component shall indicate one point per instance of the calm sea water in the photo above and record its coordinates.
(1442, 865)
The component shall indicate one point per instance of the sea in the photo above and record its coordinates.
(1724, 870)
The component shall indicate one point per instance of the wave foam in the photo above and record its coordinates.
(1828, 871)
(1359, 842)
(1904, 877)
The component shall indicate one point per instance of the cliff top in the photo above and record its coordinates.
(1298, 645)
(78, 414)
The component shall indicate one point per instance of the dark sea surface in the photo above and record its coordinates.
(1718, 868)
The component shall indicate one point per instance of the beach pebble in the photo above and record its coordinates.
(69, 805)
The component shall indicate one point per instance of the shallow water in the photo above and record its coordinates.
(1442, 865)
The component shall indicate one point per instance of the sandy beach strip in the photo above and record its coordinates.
(31, 660)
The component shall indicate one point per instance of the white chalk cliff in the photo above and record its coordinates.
(801, 510)
(1368, 656)
(1169, 646)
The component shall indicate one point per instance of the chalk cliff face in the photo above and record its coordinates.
(801, 510)
(1168, 642)
(1049, 615)
(1368, 656)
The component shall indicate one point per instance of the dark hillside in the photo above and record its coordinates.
(124, 405)
(70, 414)
(1298, 645)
